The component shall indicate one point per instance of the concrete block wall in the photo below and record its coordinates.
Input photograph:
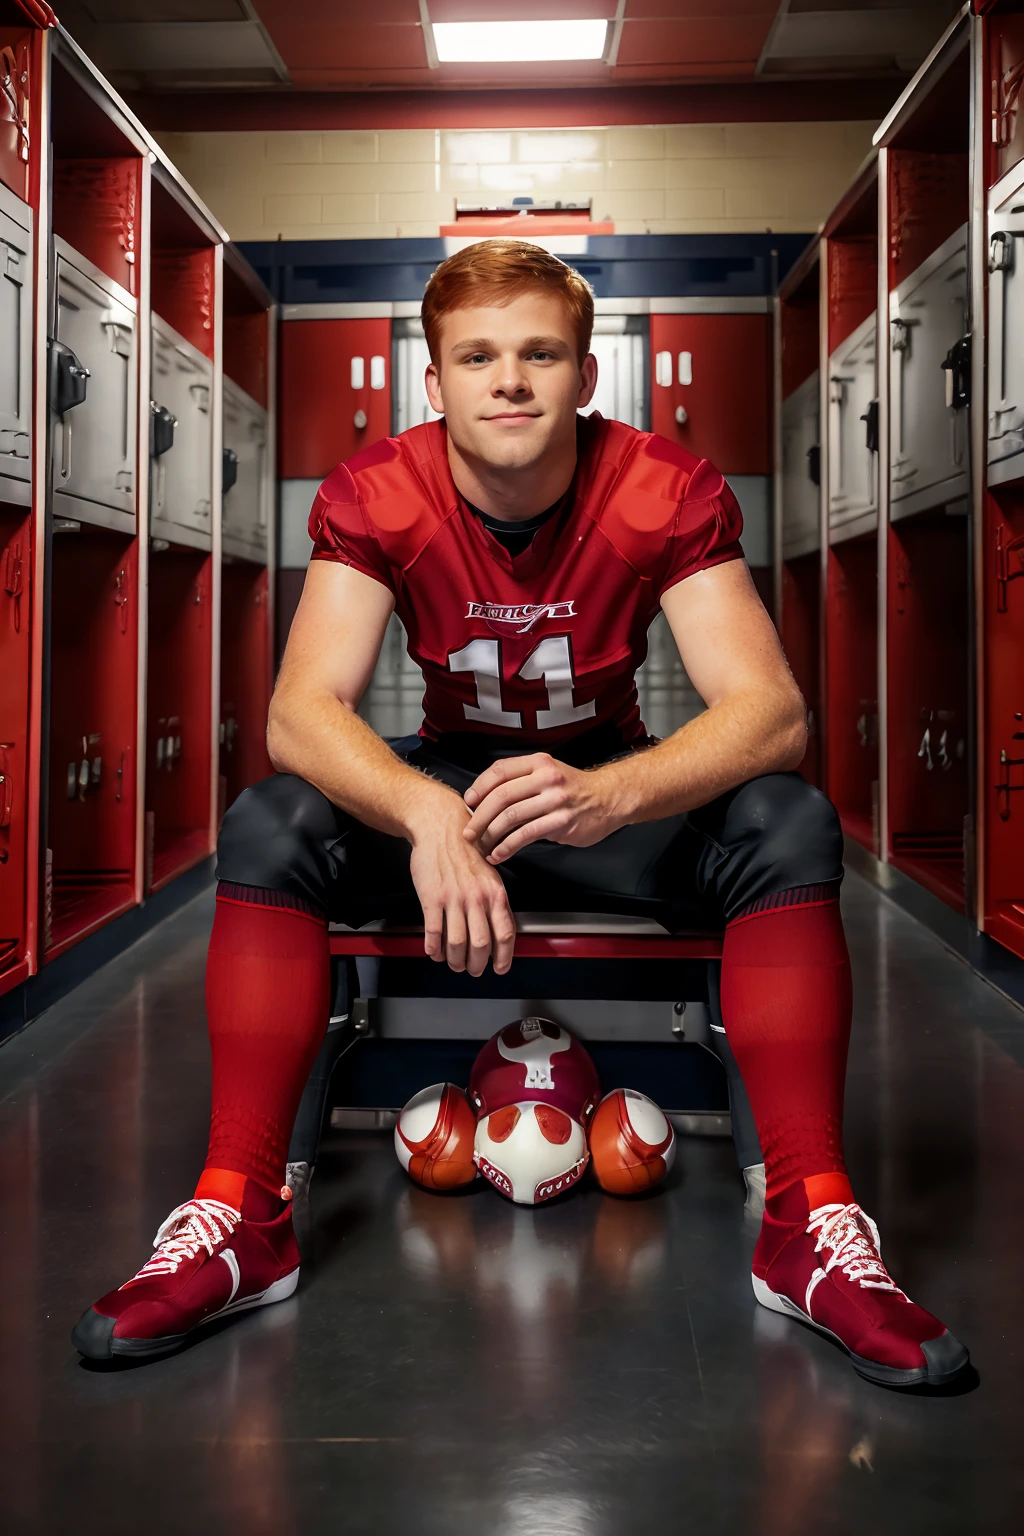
(690, 178)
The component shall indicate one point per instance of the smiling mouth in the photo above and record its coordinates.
(514, 416)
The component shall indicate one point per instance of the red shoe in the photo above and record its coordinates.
(210, 1261)
(824, 1267)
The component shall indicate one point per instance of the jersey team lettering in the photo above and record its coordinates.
(521, 616)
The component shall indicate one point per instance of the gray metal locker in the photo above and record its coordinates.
(244, 519)
(852, 464)
(1006, 330)
(801, 461)
(182, 475)
(95, 442)
(667, 697)
(929, 437)
(15, 349)
(393, 701)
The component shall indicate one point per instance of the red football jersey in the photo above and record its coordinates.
(543, 646)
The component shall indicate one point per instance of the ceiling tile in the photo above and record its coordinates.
(688, 10)
(701, 41)
(329, 44)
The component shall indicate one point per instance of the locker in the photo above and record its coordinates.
(15, 565)
(851, 687)
(711, 388)
(15, 349)
(246, 496)
(852, 460)
(393, 702)
(94, 442)
(928, 434)
(335, 392)
(245, 673)
(1006, 335)
(801, 470)
(179, 680)
(800, 635)
(667, 697)
(16, 86)
(182, 390)
(1002, 763)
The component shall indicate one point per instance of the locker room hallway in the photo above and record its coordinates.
(457, 1364)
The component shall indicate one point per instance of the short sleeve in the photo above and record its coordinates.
(341, 531)
(706, 531)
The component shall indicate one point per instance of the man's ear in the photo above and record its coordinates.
(588, 381)
(432, 379)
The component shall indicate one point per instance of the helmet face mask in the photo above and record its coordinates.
(530, 1151)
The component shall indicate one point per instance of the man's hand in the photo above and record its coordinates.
(466, 915)
(519, 800)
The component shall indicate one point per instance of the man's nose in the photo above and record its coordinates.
(511, 377)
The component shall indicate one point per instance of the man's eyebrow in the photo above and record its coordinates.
(533, 344)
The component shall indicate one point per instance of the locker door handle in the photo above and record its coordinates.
(358, 373)
(119, 336)
(685, 368)
(378, 375)
(1004, 575)
(69, 379)
(6, 789)
(1001, 251)
(663, 369)
(956, 365)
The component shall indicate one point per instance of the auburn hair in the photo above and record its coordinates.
(498, 272)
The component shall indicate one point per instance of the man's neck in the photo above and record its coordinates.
(514, 495)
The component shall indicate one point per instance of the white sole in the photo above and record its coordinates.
(279, 1291)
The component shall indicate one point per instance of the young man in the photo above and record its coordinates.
(526, 551)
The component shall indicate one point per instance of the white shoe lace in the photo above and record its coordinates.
(196, 1224)
(854, 1250)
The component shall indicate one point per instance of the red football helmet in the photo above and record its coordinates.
(535, 1061)
(534, 1088)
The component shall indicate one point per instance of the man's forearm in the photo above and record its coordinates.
(738, 739)
(323, 741)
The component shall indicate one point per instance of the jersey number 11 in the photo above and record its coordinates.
(549, 662)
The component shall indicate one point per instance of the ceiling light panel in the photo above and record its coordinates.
(518, 42)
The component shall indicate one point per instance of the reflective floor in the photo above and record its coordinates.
(457, 1365)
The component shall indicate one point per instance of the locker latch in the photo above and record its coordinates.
(162, 423)
(870, 419)
(1000, 251)
(900, 334)
(957, 367)
(1004, 789)
(229, 470)
(13, 581)
(1004, 575)
(68, 379)
(6, 790)
(814, 464)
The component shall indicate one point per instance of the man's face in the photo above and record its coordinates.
(508, 380)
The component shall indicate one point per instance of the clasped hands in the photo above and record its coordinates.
(517, 801)
(520, 800)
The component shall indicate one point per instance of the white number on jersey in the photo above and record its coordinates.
(549, 662)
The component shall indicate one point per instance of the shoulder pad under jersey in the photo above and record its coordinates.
(634, 484)
(404, 486)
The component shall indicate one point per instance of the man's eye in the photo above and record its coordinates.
(546, 356)
(477, 357)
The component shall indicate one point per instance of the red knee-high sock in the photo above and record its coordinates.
(267, 1004)
(787, 1002)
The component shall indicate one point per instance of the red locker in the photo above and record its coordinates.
(14, 718)
(93, 733)
(851, 690)
(96, 210)
(928, 735)
(711, 389)
(245, 679)
(16, 81)
(1002, 764)
(335, 393)
(1005, 36)
(179, 714)
(800, 634)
